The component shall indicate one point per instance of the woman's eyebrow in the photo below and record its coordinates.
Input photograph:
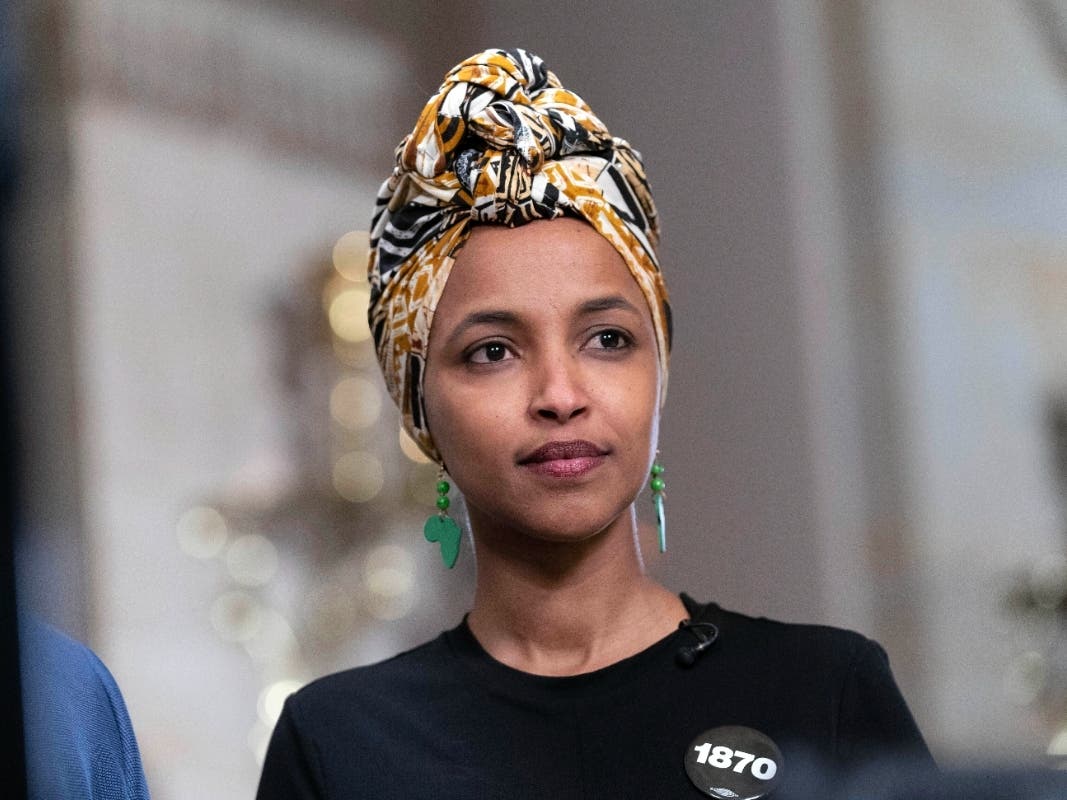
(609, 303)
(482, 318)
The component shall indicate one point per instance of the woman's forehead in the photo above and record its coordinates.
(539, 262)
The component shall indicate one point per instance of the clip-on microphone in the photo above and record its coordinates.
(706, 634)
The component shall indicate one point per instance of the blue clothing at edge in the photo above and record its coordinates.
(79, 740)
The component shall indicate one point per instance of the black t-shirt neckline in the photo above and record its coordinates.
(498, 678)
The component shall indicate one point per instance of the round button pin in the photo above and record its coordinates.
(733, 762)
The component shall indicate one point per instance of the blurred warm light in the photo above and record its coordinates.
(1058, 745)
(355, 403)
(390, 609)
(389, 569)
(1025, 678)
(348, 314)
(358, 476)
(389, 576)
(357, 355)
(272, 698)
(202, 532)
(350, 255)
(236, 616)
(252, 559)
(411, 450)
(274, 638)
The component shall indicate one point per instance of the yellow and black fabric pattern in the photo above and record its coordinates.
(502, 142)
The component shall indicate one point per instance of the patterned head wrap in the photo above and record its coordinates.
(501, 142)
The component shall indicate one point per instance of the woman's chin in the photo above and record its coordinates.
(563, 529)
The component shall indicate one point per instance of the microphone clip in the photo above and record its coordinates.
(706, 634)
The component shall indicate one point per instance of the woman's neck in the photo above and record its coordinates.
(553, 608)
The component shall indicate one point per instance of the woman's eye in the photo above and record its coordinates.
(609, 340)
(489, 353)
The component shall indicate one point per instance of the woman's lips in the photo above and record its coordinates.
(570, 459)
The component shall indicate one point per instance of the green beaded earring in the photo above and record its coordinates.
(442, 528)
(658, 485)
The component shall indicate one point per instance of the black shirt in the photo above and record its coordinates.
(446, 720)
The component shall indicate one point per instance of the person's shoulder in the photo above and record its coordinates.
(406, 673)
(74, 710)
(61, 663)
(48, 645)
(772, 638)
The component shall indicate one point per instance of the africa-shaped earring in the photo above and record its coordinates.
(657, 485)
(442, 528)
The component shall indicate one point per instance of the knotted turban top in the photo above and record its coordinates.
(502, 142)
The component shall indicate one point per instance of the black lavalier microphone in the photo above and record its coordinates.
(706, 634)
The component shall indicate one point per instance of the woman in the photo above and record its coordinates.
(523, 328)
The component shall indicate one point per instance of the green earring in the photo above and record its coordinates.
(657, 485)
(442, 528)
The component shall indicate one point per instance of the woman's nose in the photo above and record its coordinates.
(559, 392)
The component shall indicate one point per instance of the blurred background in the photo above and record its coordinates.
(865, 233)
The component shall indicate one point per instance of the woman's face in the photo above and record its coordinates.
(542, 381)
